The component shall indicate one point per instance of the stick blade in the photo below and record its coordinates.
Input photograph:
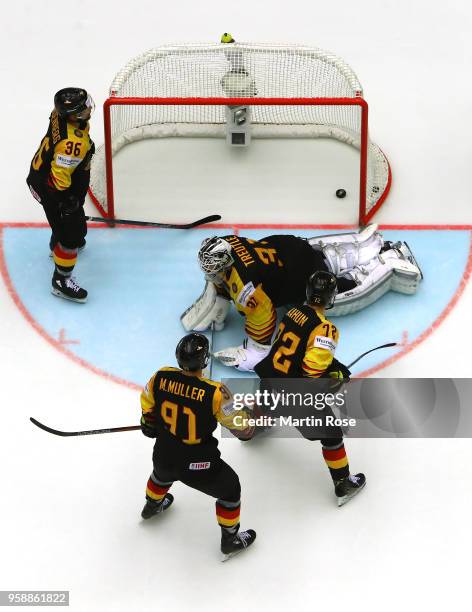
(204, 221)
(49, 429)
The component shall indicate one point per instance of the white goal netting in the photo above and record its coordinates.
(238, 70)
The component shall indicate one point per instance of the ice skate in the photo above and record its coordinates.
(234, 543)
(67, 288)
(152, 508)
(348, 487)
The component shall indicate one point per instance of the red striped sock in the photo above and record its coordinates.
(156, 490)
(337, 462)
(227, 514)
(65, 259)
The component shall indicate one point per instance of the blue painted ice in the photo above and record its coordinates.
(139, 282)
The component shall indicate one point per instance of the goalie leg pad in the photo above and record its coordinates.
(363, 236)
(217, 315)
(343, 252)
(395, 269)
(207, 309)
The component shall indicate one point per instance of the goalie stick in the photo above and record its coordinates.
(212, 341)
(203, 221)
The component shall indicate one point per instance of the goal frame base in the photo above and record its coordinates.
(364, 215)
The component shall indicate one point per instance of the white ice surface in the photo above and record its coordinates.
(70, 508)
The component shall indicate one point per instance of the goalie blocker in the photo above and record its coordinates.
(376, 266)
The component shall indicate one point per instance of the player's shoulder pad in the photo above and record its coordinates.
(75, 133)
(225, 392)
(213, 383)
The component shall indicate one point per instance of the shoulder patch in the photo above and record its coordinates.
(325, 343)
(245, 294)
(78, 133)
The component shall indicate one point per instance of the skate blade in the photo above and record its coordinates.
(58, 293)
(228, 556)
(343, 500)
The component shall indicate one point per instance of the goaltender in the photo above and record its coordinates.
(258, 276)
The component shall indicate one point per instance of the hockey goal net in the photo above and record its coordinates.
(239, 91)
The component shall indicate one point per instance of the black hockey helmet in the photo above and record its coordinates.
(321, 289)
(72, 101)
(193, 352)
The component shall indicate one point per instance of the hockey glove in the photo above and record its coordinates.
(148, 429)
(68, 205)
(338, 370)
(339, 373)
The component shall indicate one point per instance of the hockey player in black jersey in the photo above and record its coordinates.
(304, 347)
(258, 276)
(181, 409)
(59, 178)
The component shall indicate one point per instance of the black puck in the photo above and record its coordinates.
(340, 193)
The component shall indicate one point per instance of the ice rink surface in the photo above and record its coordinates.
(70, 507)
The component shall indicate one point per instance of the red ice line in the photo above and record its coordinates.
(42, 332)
(406, 347)
(239, 226)
(63, 340)
(434, 325)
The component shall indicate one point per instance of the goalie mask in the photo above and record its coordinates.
(214, 257)
(193, 352)
(321, 289)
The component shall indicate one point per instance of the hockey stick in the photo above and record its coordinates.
(90, 432)
(371, 350)
(209, 367)
(212, 338)
(203, 221)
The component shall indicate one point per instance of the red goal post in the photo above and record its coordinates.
(340, 117)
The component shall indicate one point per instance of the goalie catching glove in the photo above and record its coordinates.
(244, 357)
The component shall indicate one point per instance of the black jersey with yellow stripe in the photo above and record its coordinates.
(63, 157)
(185, 411)
(266, 274)
(304, 345)
(280, 264)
